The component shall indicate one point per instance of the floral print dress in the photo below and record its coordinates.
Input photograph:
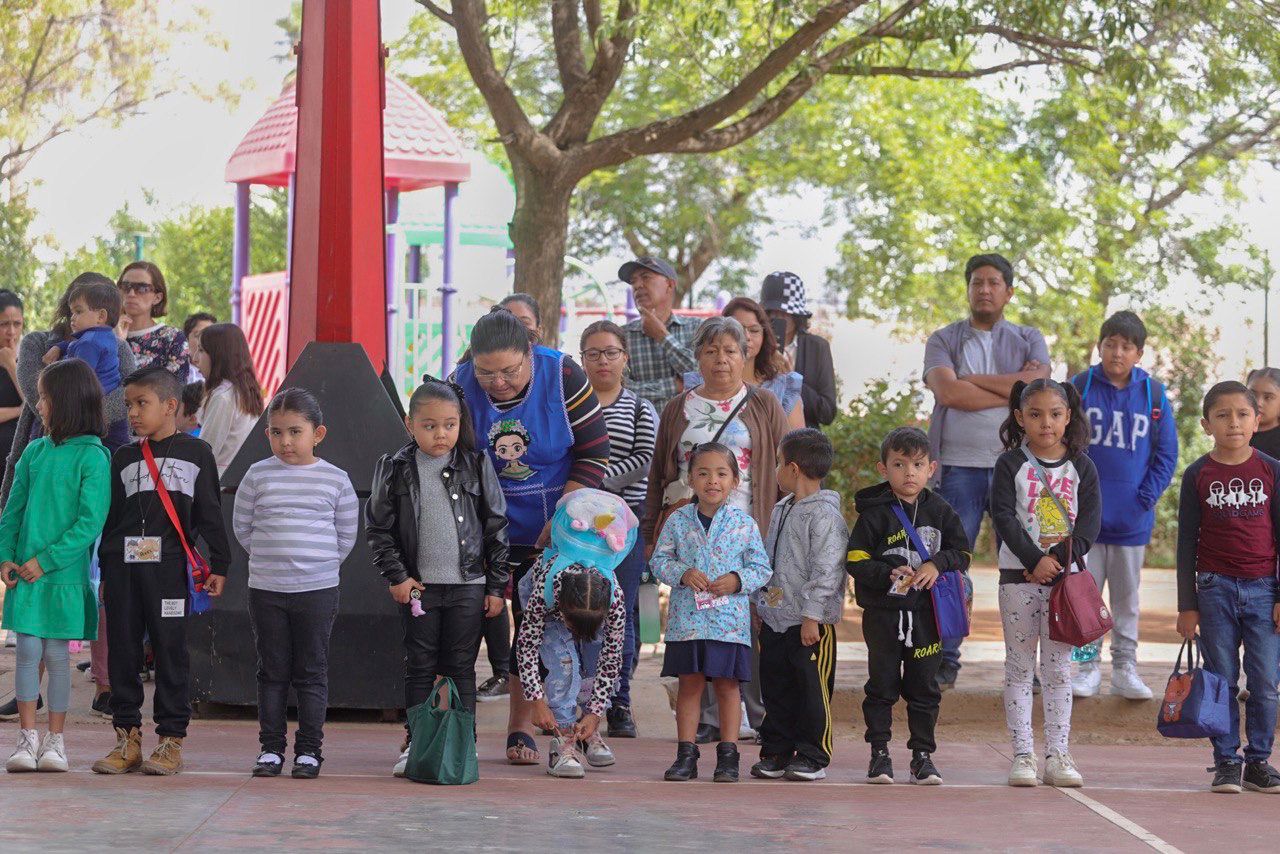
(705, 417)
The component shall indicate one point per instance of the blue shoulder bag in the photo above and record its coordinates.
(949, 609)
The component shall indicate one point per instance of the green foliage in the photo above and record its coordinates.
(857, 432)
(17, 256)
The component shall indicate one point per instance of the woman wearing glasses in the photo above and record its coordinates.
(536, 414)
(633, 424)
(145, 298)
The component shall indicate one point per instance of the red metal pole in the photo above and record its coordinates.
(338, 263)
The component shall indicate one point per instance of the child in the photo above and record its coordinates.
(1228, 539)
(566, 597)
(711, 556)
(232, 396)
(892, 582)
(1042, 533)
(456, 573)
(55, 511)
(95, 310)
(192, 396)
(1134, 446)
(144, 569)
(296, 517)
(1265, 385)
(799, 610)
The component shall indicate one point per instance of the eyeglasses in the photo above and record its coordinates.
(507, 375)
(608, 354)
(141, 288)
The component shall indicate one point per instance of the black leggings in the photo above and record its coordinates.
(444, 641)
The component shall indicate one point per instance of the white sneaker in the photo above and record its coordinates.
(1126, 682)
(1060, 770)
(53, 753)
(562, 759)
(24, 755)
(745, 730)
(1023, 772)
(1087, 681)
(398, 770)
(597, 752)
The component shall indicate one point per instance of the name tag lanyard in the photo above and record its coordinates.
(137, 483)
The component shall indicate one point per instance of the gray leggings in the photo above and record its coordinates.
(57, 662)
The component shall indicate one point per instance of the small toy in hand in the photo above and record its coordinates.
(415, 606)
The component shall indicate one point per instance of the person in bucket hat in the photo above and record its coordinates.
(783, 297)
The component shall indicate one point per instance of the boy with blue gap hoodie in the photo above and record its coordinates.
(1134, 446)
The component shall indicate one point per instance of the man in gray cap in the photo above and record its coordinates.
(660, 342)
(782, 296)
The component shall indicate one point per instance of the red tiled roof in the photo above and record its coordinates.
(419, 148)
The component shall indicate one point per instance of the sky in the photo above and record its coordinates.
(175, 152)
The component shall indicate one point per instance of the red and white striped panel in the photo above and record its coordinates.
(264, 317)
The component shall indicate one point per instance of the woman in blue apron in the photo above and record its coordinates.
(536, 415)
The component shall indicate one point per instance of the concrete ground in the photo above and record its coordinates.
(1142, 792)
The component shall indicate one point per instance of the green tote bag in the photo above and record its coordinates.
(443, 750)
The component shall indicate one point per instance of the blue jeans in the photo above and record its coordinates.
(567, 662)
(629, 573)
(1235, 611)
(968, 491)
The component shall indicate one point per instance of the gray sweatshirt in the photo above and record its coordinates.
(807, 543)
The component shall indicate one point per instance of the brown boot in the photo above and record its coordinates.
(127, 755)
(166, 759)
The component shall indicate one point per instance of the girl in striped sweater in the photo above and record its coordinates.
(296, 516)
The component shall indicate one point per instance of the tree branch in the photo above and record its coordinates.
(1266, 133)
(437, 11)
(582, 104)
(913, 73)
(591, 11)
(566, 36)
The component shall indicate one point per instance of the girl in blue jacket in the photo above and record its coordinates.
(713, 558)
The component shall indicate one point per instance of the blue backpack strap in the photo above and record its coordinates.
(912, 534)
(1083, 382)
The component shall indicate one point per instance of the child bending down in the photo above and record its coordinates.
(711, 555)
(567, 597)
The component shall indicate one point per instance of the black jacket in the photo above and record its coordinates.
(391, 517)
(879, 543)
(813, 363)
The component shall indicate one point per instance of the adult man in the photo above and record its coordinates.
(782, 296)
(659, 341)
(971, 366)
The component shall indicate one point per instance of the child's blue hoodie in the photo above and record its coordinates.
(1133, 443)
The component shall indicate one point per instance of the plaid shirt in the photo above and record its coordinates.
(656, 366)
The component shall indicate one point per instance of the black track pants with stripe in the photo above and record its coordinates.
(797, 681)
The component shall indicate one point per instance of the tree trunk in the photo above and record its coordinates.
(539, 231)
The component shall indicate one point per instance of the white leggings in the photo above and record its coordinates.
(1024, 612)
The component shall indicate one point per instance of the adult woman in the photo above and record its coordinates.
(539, 420)
(766, 365)
(632, 423)
(11, 320)
(26, 373)
(146, 297)
(782, 296)
(232, 395)
(526, 310)
(746, 418)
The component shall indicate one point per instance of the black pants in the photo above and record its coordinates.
(522, 560)
(898, 670)
(292, 631)
(444, 641)
(497, 641)
(797, 682)
(148, 599)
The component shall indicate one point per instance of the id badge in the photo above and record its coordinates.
(703, 600)
(900, 586)
(141, 549)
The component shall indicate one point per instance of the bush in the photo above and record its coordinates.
(857, 432)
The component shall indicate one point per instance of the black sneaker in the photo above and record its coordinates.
(306, 770)
(947, 677)
(9, 711)
(923, 771)
(84, 665)
(770, 767)
(102, 704)
(1226, 778)
(268, 765)
(706, 734)
(804, 768)
(493, 688)
(1261, 777)
(881, 768)
(621, 724)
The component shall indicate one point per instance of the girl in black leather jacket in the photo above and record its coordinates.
(437, 526)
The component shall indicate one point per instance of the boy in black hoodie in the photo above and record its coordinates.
(892, 585)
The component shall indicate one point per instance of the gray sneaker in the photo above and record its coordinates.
(562, 759)
(493, 688)
(597, 752)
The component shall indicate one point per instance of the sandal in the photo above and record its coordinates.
(522, 749)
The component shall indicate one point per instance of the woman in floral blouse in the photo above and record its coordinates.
(146, 297)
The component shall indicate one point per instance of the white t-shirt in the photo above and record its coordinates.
(223, 424)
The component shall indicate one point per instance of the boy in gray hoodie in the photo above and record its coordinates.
(798, 609)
